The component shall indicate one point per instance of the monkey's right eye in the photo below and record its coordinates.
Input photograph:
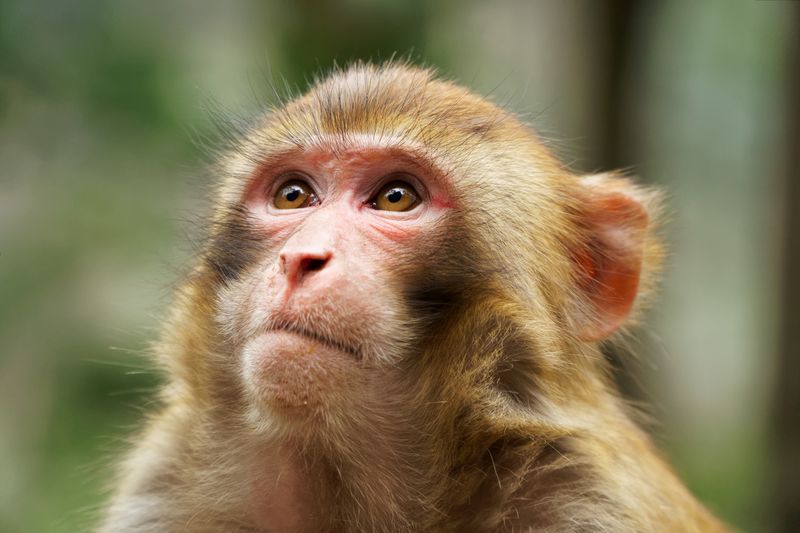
(295, 194)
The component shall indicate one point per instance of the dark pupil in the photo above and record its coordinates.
(293, 194)
(394, 195)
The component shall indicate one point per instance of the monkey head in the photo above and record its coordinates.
(388, 231)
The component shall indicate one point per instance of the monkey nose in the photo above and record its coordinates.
(296, 265)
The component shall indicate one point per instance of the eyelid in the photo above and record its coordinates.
(419, 188)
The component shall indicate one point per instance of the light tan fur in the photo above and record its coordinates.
(503, 419)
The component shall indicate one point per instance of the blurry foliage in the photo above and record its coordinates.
(100, 103)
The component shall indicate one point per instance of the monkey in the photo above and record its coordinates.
(394, 325)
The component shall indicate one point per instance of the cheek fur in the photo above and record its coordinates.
(236, 244)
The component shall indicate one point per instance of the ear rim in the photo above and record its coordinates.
(616, 217)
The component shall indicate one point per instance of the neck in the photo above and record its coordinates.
(386, 473)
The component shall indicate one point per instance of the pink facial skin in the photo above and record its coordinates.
(345, 183)
(321, 306)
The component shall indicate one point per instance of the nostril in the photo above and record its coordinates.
(298, 264)
(312, 264)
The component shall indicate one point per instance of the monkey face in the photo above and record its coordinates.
(337, 239)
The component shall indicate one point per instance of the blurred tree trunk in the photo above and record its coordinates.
(787, 413)
(617, 20)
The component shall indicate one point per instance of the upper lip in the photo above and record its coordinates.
(322, 339)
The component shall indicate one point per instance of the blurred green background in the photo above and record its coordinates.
(102, 177)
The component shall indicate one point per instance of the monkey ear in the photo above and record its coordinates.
(609, 256)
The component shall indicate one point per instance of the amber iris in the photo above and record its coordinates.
(396, 196)
(294, 194)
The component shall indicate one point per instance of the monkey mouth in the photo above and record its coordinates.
(328, 342)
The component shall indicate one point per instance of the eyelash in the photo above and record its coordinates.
(412, 180)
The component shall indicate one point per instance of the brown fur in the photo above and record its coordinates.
(498, 416)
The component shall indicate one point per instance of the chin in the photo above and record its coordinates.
(294, 376)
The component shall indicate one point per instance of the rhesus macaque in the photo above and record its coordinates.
(394, 326)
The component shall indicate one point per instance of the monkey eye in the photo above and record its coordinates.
(395, 196)
(295, 194)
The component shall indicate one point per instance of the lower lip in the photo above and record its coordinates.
(328, 345)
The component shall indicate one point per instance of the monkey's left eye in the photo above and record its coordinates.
(395, 196)
(295, 194)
